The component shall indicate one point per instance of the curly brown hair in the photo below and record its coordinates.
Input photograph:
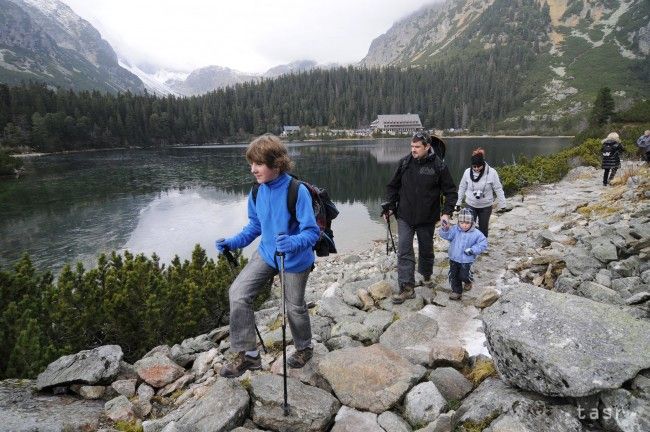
(267, 149)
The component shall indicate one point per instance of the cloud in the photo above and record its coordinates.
(247, 35)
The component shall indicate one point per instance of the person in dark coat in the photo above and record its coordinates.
(611, 150)
(414, 195)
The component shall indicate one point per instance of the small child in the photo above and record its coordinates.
(611, 150)
(465, 243)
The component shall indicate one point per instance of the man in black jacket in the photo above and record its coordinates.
(415, 193)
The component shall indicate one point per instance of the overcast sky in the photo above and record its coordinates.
(247, 35)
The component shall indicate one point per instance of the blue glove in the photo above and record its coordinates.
(222, 245)
(468, 251)
(284, 243)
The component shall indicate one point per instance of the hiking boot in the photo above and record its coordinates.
(467, 286)
(300, 358)
(425, 281)
(455, 296)
(240, 364)
(406, 293)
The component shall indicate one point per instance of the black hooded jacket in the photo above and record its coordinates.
(417, 187)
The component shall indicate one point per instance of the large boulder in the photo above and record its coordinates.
(158, 370)
(23, 410)
(351, 420)
(564, 345)
(372, 378)
(93, 366)
(310, 408)
(221, 408)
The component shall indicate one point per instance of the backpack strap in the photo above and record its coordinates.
(254, 189)
(292, 197)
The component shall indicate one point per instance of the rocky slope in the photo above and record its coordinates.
(579, 46)
(560, 307)
(44, 40)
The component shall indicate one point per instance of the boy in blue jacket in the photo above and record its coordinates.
(466, 242)
(269, 217)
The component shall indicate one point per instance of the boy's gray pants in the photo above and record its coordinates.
(250, 281)
(406, 254)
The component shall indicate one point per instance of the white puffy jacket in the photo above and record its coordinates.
(486, 187)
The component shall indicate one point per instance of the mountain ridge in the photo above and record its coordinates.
(45, 40)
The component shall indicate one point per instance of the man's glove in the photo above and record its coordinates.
(469, 251)
(387, 208)
(457, 208)
(223, 245)
(284, 243)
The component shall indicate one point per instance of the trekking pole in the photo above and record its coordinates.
(285, 405)
(391, 236)
(233, 265)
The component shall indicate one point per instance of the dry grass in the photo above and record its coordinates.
(481, 370)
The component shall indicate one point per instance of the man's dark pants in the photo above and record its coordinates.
(406, 254)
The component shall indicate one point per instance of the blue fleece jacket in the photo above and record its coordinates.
(269, 216)
(461, 240)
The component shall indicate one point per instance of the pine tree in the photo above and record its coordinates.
(603, 108)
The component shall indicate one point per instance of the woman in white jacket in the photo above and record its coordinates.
(479, 185)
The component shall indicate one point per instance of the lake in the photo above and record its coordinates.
(72, 207)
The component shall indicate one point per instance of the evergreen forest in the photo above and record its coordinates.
(461, 93)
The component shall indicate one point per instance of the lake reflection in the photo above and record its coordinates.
(72, 207)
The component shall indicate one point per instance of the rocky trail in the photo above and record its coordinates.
(554, 336)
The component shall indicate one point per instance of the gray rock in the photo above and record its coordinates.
(320, 328)
(173, 386)
(626, 268)
(604, 251)
(491, 396)
(565, 284)
(338, 310)
(638, 298)
(629, 285)
(423, 404)
(158, 370)
(370, 378)
(120, 409)
(221, 408)
(23, 410)
(310, 408)
(189, 349)
(203, 361)
(354, 330)
(412, 337)
(599, 293)
(622, 411)
(342, 342)
(452, 384)
(377, 322)
(125, 387)
(94, 366)
(563, 345)
(581, 264)
(89, 392)
(604, 277)
(444, 423)
(391, 422)
(351, 420)
(527, 416)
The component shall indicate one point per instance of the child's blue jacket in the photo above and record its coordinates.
(461, 240)
(269, 216)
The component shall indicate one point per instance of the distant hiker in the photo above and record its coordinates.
(644, 145)
(611, 150)
(478, 186)
(414, 195)
(269, 217)
(466, 242)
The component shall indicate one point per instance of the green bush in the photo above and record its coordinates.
(131, 301)
(548, 169)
